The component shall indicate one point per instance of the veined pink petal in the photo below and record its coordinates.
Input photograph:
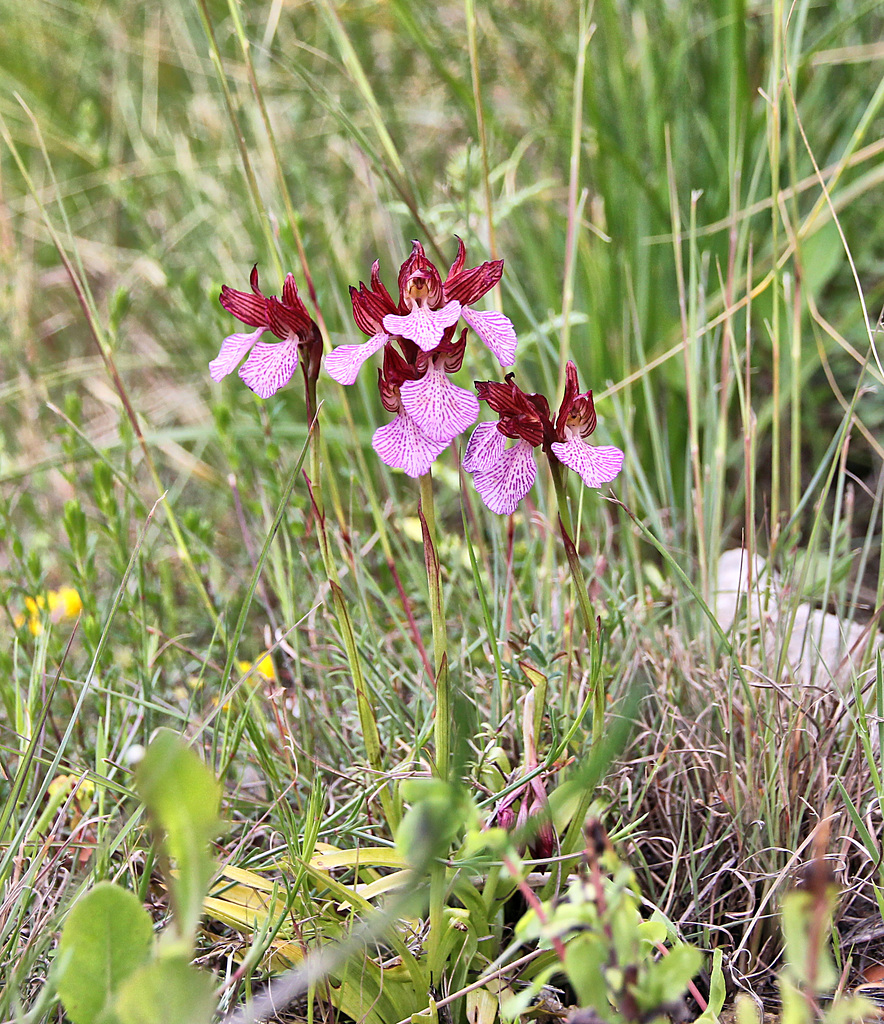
(504, 485)
(270, 367)
(440, 409)
(495, 330)
(402, 445)
(344, 363)
(423, 326)
(233, 348)
(596, 464)
(484, 449)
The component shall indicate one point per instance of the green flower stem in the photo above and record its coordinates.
(434, 577)
(589, 621)
(442, 725)
(364, 705)
(438, 885)
(442, 720)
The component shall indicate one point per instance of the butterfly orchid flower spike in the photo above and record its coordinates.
(430, 410)
(269, 366)
(503, 475)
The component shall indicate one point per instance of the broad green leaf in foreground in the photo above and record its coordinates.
(107, 935)
(182, 797)
(168, 991)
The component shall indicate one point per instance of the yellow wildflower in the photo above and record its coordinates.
(264, 667)
(64, 603)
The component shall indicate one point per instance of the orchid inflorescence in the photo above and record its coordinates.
(421, 347)
(503, 476)
(269, 365)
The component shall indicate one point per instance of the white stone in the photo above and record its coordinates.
(821, 648)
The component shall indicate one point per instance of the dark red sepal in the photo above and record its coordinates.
(577, 410)
(248, 307)
(459, 260)
(452, 351)
(286, 321)
(392, 376)
(469, 286)
(449, 351)
(371, 305)
(521, 416)
(290, 295)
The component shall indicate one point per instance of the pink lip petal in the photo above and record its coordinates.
(440, 409)
(423, 326)
(270, 367)
(596, 465)
(400, 444)
(484, 449)
(504, 486)
(344, 363)
(496, 331)
(233, 348)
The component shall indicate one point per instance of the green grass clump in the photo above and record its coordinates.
(685, 198)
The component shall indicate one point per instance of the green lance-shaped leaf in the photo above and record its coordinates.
(168, 991)
(717, 991)
(107, 936)
(807, 929)
(585, 959)
(182, 797)
(665, 981)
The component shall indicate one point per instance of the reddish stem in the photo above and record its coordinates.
(409, 614)
(535, 904)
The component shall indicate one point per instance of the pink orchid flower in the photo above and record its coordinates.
(429, 305)
(427, 308)
(269, 365)
(370, 306)
(504, 475)
(430, 410)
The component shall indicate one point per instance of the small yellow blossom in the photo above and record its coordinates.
(64, 603)
(263, 667)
